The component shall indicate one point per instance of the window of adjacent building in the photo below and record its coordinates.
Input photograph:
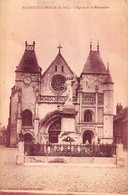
(27, 118)
(87, 116)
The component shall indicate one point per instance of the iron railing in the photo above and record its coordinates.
(74, 150)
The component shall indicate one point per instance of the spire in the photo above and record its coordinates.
(97, 45)
(59, 47)
(109, 78)
(90, 44)
(94, 62)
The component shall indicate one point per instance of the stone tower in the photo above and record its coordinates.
(24, 96)
(96, 100)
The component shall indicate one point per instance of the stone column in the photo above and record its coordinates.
(120, 155)
(36, 124)
(20, 156)
(80, 103)
(36, 117)
(19, 119)
(96, 115)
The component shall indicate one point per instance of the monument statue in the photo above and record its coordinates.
(75, 85)
(69, 88)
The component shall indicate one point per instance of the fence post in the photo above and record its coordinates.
(20, 156)
(120, 156)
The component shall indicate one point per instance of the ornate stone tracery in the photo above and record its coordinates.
(88, 98)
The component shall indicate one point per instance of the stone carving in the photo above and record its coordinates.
(100, 98)
(90, 83)
(53, 98)
(75, 85)
(45, 80)
(69, 88)
(88, 98)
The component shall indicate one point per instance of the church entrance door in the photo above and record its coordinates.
(54, 131)
(87, 137)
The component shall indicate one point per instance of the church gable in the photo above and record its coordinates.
(59, 65)
(58, 70)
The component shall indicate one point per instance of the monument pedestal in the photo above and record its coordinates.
(120, 155)
(68, 129)
(20, 157)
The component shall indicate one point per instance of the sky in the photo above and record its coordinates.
(70, 23)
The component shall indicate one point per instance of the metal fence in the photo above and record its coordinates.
(82, 150)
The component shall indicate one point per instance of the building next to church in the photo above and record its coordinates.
(56, 105)
(120, 126)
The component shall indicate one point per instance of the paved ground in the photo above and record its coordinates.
(60, 177)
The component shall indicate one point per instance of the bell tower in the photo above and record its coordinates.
(96, 100)
(24, 96)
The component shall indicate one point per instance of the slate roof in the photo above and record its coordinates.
(122, 115)
(109, 78)
(94, 63)
(28, 62)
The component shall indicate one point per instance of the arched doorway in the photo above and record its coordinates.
(28, 137)
(27, 144)
(87, 136)
(54, 131)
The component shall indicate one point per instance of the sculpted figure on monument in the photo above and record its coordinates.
(69, 88)
(75, 85)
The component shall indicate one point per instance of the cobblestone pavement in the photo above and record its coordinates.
(60, 177)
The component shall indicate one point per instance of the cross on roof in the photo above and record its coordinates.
(59, 47)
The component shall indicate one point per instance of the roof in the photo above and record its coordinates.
(123, 114)
(28, 62)
(94, 63)
(109, 78)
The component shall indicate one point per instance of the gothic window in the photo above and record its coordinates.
(88, 98)
(27, 118)
(58, 82)
(55, 68)
(100, 98)
(62, 68)
(88, 116)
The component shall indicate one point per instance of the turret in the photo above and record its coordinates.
(28, 61)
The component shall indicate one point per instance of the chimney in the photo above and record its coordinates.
(118, 107)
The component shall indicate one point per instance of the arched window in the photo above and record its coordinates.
(26, 118)
(88, 116)
(87, 137)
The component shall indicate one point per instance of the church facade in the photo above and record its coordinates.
(56, 105)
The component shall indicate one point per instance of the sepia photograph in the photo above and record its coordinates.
(63, 97)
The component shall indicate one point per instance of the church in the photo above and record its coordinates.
(56, 105)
